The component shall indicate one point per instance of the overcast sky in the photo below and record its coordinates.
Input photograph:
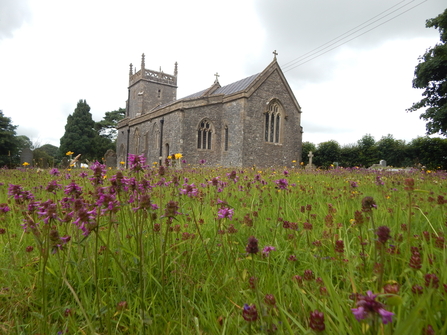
(55, 52)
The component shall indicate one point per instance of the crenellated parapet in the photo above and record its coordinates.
(151, 75)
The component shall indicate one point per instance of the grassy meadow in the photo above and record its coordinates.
(200, 250)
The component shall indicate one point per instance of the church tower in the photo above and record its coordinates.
(149, 89)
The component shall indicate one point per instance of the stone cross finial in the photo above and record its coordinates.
(275, 54)
(217, 77)
(175, 69)
(310, 155)
(130, 69)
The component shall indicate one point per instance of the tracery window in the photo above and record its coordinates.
(204, 135)
(272, 128)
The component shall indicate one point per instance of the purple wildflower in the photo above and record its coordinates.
(189, 190)
(266, 251)
(225, 212)
(73, 189)
(4, 208)
(368, 307)
(282, 183)
(137, 162)
(54, 172)
(99, 171)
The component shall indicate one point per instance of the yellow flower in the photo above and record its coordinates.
(105, 177)
(155, 163)
(169, 157)
(302, 163)
(69, 153)
(294, 161)
(122, 163)
(178, 156)
(25, 164)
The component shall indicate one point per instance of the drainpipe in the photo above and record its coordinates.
(127, 150)
(162, 121)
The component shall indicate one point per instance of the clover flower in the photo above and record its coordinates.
(369, 307)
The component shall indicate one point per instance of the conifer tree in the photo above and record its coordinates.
(80, 133)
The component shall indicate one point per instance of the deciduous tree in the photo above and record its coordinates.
(431, 75)
(8, 141)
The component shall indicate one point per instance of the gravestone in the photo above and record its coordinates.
(26, 156)
(310, 165)
(383, 162)
(110, 158)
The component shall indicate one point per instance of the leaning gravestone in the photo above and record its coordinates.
(26, 156)
(110, 158)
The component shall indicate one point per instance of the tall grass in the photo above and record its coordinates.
(172, 251)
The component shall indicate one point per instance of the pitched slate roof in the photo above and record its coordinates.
(235, 87)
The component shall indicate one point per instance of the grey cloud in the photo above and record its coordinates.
(13, 14)
(295, 28)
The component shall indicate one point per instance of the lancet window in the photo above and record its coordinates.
(272, 127)
(204, 135)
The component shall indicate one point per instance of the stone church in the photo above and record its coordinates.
(253, 121)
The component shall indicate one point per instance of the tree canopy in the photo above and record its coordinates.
(431, 75)
(79, 136)
(8, 141)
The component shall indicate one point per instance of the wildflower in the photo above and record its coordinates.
(202, 161)
(316, 321)
(121, 306)
(136, 162)
(249, 313)
(409, 184)
(369, 307)
(282, 183)
(171, 209)
(368, 203)
(25, 164)
(383, 233)
(266, 251)
(4, 208)
(225, 212)
(178, 156)
(309, 275)
(252, 246)
(431, 280)
(69, 153)
(54, 172)
(269, 299)
(339, 246)
(189, 190)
